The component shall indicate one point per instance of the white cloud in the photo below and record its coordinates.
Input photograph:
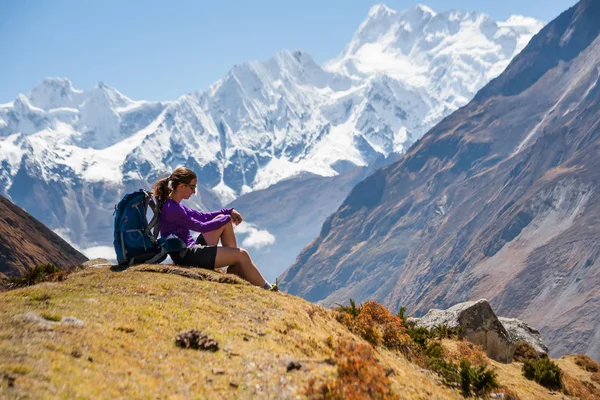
(255, 238)
(259, 239)
(107, 252)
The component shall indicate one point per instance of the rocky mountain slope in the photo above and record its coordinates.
(26, 242)
(499, 200)
(68, 155)
(106, 333)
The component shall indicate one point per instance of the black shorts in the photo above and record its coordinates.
(200, 255)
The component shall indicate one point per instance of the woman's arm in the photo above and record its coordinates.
(182, 217)
(208, 216)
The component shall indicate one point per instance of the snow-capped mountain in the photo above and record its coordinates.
(261, 123)
(445, 57)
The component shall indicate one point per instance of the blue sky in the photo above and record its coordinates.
(159, 50)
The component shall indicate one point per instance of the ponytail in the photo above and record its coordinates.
(162, 191)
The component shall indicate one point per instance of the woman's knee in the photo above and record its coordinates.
(244, 254)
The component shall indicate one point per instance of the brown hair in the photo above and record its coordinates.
(162, 191)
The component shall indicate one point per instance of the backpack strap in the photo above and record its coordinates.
(153, 228)
(160, 256)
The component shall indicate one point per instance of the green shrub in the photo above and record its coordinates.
(465, 378)
(434, 350)
(40, 273)
(448, 371)
(441, 331)
(351, 310)
(420, 336)
(476, 380)
(484, 380)
(402, 313)
(544, 372)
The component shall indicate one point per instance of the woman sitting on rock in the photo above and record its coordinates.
(177, 219)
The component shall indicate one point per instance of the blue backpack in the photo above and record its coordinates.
(135, 239)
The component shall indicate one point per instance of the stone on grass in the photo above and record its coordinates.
(292, 365)
(46, 323)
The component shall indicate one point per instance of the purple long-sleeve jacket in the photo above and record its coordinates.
(177, 219)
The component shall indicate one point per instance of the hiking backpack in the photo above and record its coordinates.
(135, 239)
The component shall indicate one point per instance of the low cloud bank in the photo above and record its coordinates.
(254, 238)
(107, 252)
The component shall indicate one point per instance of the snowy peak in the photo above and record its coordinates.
(110, 96)
(418, 13)
(54, 93)
(380, 11)
(425, 10)
(448, 55)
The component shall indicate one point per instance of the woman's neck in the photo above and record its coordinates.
(176, 197)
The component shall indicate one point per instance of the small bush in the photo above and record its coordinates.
(586, 363)
(367, 328)
(360, 376)
(351, 310)
(476, 380)
(445, 332)
(448, 371)
(40, 273)
(420, 336)
(374, 323)
(441, 331)
(402, 313)
(544, 372)
(525, 351)
(434, 350)
(484, 380)
(465, 378)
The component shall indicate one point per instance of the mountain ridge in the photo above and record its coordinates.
(499, 199)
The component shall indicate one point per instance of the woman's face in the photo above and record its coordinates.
(187, 189)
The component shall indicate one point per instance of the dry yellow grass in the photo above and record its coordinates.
(126, 347)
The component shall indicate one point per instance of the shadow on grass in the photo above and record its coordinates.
(118, 268)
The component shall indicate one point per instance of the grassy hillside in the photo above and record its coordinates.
(270, 345)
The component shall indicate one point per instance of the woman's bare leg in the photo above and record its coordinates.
(240, 264)
(225, 233)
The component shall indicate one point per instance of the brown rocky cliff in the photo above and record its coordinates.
(25, 242)
(500, 200)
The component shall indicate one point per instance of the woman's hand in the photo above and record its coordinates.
(236, 217)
